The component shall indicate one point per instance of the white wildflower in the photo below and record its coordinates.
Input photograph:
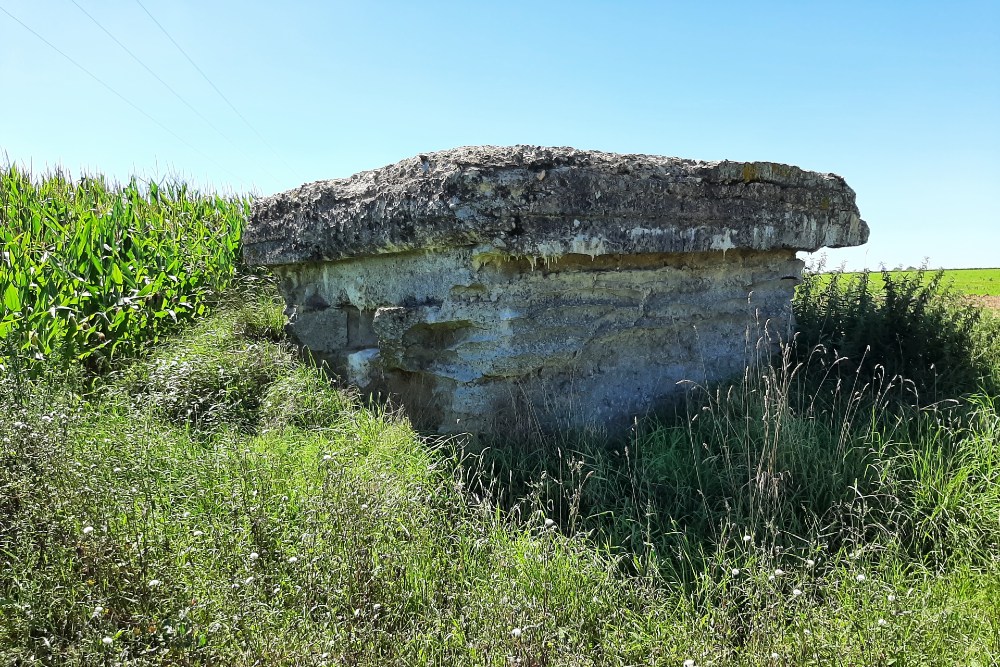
(107, 641)
(87, 530)
(796, 592)
(549, 523)
(778, 572)
(293, 559)
(153, 583)
(810, 562)
(254, 555)
(516, 633)
(882, 623)
(735, 571)
(860, 578)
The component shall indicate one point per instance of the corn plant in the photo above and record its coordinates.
(91, 271)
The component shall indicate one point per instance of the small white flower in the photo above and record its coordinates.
(87, 530)
(746, 538)
(98, 610)
(882, 622)
(735, 571)
(107, 641)
(197, 533)
(775, 656)
(248, 581)
(778, 572)
(689, 663)
(810, 562)
(254, 555)
(891, 598)
(293, 559)
(807, 632)
(327, 457)
(153, 583)
(860, 577)
(796, 592)
(549, 523)
(116, 469)
(516, 633)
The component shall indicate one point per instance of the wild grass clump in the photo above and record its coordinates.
(94, 271)
(214, 376)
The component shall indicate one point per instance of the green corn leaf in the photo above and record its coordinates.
(12, 299)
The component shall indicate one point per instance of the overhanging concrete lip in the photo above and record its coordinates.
(547, 202)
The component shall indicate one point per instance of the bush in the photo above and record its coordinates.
(911, 326)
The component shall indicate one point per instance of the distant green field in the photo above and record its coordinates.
(974, 282)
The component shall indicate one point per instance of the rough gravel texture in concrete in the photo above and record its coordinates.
(523, 289)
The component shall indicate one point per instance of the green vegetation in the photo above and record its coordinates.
(975, 282)
(92, 271)
(969, 282)
(215, 501)
(885, 325)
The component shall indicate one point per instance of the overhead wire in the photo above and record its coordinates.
(118, 95)
(165, 84)
(214, 87)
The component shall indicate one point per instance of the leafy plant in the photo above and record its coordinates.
(912, 327)
(91, 271)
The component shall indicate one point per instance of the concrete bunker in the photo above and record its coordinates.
(509, 289)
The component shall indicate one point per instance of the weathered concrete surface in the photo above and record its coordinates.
(521, 288)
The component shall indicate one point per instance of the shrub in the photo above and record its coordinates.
(912, 326)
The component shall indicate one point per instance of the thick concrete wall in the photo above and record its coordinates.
(487, 343)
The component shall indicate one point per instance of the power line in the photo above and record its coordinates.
(214, 87)
(117, 94)
(165, 84)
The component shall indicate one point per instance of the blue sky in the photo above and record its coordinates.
(900, 98)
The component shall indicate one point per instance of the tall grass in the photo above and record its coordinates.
(93, 271)
(220, 504)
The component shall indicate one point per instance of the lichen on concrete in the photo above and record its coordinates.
(500, 289)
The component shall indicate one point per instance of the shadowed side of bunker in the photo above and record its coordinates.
(503, 290)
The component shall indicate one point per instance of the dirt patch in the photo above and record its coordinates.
(991, 302)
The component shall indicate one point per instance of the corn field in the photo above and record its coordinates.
(92, 271)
